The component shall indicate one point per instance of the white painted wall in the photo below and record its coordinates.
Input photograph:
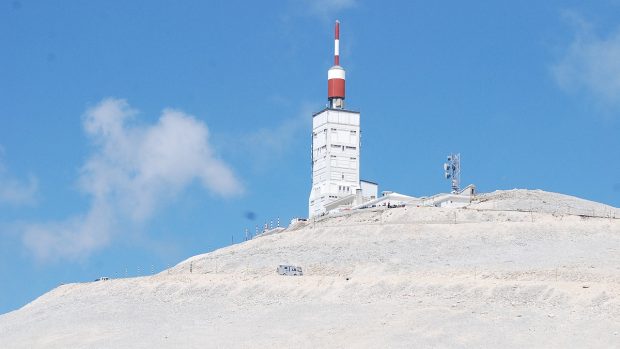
(369, 190)
(335, 157)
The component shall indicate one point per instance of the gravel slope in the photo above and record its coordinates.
(514, 269)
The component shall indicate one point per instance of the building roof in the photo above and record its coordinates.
(365, 181)
(336, 109)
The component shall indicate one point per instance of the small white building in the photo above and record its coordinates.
(369, 190)
(388, 199)
(460, 199)
(392, 199)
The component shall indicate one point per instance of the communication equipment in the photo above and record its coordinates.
(452, 171)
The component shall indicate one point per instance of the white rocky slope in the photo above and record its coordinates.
(493, 274)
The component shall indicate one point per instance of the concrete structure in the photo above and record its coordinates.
(335, 157)
(460, 199)
(391, 199)
(336, 184)
(335, 145)
(369, 190)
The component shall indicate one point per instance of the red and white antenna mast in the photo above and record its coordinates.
(337, 44)
(336, 76)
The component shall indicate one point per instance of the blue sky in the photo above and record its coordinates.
(136, 134)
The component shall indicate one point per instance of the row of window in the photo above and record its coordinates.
(335, 156)
(334, 129)
(336, 146)
(314, 134)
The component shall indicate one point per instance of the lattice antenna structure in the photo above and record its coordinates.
(452, 170)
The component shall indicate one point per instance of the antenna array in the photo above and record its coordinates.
(452, 170)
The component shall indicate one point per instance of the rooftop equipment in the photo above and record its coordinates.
(452, 170)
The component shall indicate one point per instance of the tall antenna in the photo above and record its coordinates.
(452, 170)
(337, 44)
(336, 75)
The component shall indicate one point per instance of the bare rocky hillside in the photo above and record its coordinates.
(515, 269)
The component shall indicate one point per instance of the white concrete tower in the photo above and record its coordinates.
(335, 143)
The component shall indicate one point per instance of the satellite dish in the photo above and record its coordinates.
(446, 167)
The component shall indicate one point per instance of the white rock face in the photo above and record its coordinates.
(491, 275)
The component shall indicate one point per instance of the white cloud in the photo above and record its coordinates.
(14, 191)
(265, 147)
(138, 166)
(133, 171)
(277, 139)
(74, 238)
(591, 63)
